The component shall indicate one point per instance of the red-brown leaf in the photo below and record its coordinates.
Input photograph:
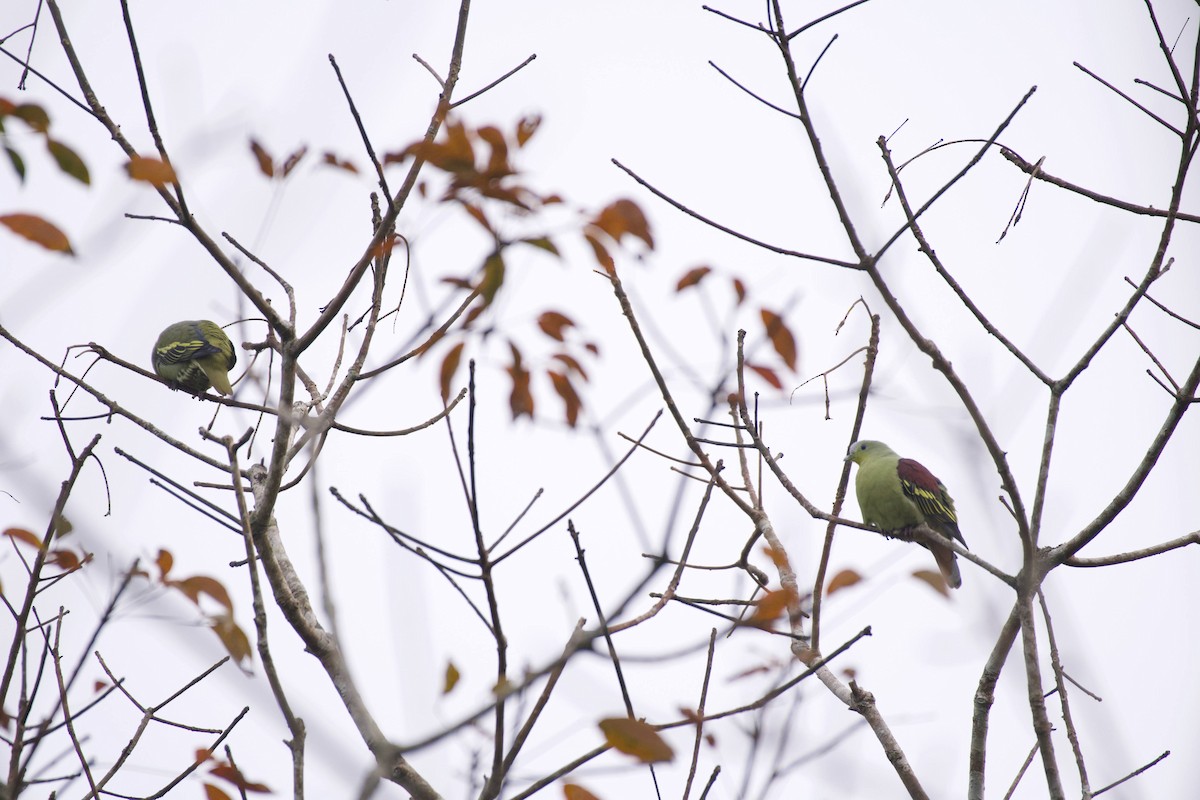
(570, 398)
(526, 128)
(292, 160)
(767, 374)
(333, 160)
(692, 278)
(236, 643)
(623, 217)
(554, 323)
(266, 164)
(781, 337)
(38, 230)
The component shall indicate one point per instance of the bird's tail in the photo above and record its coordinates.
(948, 563)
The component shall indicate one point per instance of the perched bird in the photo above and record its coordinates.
(895, 493)
(194, 354)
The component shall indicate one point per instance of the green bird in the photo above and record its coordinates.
(895, 493)
(194, 354)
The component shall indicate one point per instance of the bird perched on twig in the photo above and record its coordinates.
(194, 354)
(895, 493)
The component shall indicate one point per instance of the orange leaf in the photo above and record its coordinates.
(573, 791)
(767, 374)
(213, 793)
(498, 158)
(197, 585)
(570, 398)
(164, 560)
(22, 535)
(452, 677)
(37, 230)
(771, 606)
(623, 217)
(636, 738)
(553, 323)
(781, 337)
(934, 579)
(236, 643)
(846, 577)
(266, 164)
(602, 255)
(65, 558)
(150, 170)
(692, 278)
(449, 367)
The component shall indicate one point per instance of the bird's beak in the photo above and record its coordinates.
(847, 458)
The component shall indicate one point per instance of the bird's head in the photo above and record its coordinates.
(862, 450)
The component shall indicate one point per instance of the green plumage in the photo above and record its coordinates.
(896, 493)
(194, 355)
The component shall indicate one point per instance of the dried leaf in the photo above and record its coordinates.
(570, 398)
(554, 323)
(150, 170)
(692, 278)
(934, 579)
(37, 230)
(781, 337)
(452, 677)
(636, 738)
(623, 217)
(571, 363)
(846, 577)
(197, 585)
(164, 561)
(498, 158)
(767, 374)
(449, 367)
(69, 161)
(213, 793)
(573, 791)
(526, 128)
(771, 606)
(266, 164)
(520, 400)
(236, 643)
(292, 160)
(603, 258)
(230, 773)
(739, 289)
(342, 163)
(64, 558)
(22, 535)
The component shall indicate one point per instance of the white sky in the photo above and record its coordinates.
(629, 80)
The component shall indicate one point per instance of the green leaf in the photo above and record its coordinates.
(18, 163)
(69, 161)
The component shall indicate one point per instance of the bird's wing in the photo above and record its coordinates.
(930, 495)
(189, 347)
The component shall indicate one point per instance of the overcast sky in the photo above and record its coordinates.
(630, 80)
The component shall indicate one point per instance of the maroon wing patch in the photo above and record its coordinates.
(930, 495)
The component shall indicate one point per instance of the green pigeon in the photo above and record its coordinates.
(194, 354)
(895, 493)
